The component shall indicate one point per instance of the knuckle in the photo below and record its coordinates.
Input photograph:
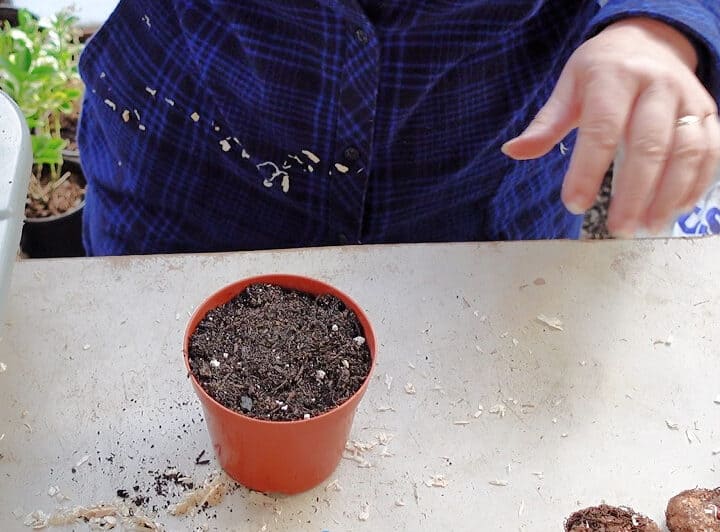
(690, 152)
(603, 132)
(650, 147)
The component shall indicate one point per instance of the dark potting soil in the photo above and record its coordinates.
(609, 519)
(694, 510)
(278, 354)
(68, 130)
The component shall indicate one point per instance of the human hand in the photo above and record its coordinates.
(634, 83)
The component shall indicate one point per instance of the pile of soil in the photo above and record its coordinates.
(65, 197)
(595, 222)
(694, 510)
(606, 518)
(278, 354)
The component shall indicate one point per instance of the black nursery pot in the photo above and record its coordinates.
(10, 14)
(55, 236)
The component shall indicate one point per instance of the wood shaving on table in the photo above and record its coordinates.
(36, 520)
(437, 481)
(99, 516)
(500, 483)
(498, 409)
(211, 493)
(3, 367)
(521, 509)
(334, 486)
(384, 438)
(689, 436)
(399, 502)
(539, 474)
(716, 401)
(461, 422)
(553, 323)
(410, 388)
(667, 342)
(671, 425)
(82, 460)
(364, 514)
(385, 408)
(388, 381)
(355, 450)
(716, 452)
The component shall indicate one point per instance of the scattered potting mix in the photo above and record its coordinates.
(606, 518)
(281, 355)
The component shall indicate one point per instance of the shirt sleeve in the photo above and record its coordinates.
(697, 19)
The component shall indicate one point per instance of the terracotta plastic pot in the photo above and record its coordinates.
(279, 456)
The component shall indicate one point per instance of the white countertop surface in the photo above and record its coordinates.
(94, 367)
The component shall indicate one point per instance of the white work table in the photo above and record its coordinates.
(93, 349)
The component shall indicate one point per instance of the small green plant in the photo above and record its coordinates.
(38, 69)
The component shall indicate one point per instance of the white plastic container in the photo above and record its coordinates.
(15, 168)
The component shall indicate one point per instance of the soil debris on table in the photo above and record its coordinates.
(609, 519)
(273, 353)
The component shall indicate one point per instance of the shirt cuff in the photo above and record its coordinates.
(700, 23)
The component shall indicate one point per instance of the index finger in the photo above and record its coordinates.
(605, 109)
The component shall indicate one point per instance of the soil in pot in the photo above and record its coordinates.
(68, 130)
(47, 199)
(277, 354)
(606, 518)
(694, 510)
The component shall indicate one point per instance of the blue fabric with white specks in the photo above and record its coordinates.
(222, 125)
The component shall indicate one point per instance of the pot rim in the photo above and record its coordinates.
(278, 278)
(56, 217)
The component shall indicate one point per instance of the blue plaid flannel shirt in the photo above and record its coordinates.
(222, 125)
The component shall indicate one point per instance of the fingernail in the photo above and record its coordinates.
(574, 207)
(504, 147)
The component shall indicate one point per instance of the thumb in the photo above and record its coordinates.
(553, 122)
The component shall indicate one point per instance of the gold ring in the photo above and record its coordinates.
(687, 120)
